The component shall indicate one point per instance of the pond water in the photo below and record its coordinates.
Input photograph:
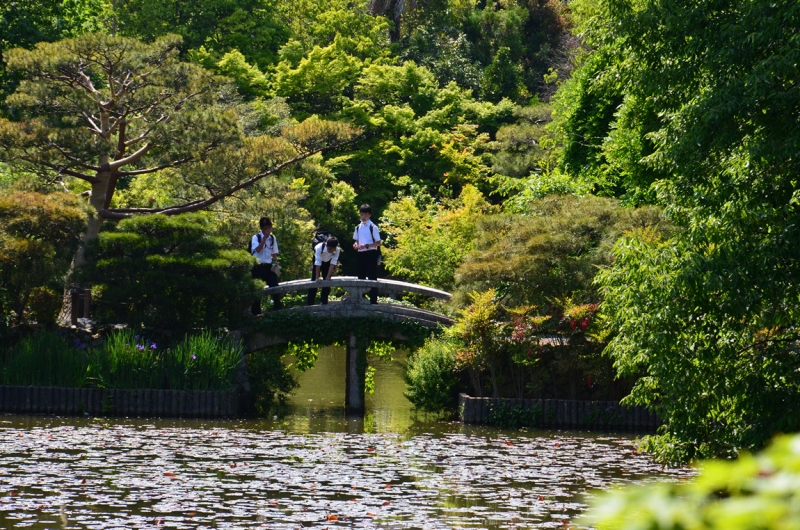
(316, 468)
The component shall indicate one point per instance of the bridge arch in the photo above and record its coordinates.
(352, 321)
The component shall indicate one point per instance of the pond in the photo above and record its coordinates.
(316, 468)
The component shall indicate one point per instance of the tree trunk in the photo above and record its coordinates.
(98, 201)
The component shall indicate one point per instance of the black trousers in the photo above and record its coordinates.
(312, 293)
(263, 271)
(367, 268)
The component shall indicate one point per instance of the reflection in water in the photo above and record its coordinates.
(315, 469)
(318, 404)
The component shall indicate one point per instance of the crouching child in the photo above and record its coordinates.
(326, 257)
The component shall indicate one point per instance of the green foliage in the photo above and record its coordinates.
(384, 352)
(503, 78)
(418, 134)
(714, 342)
(753, 492)
(321, 66)
(305, 354)
(270, 381)
(499, 45)
(553, 251)
(102, 109)
(249, 80)
(202, 361)
(431, 375)
(253, 27)
(45, 305)
(323, 331)
(170, 273)
(23, 24)
(46, 359)
(519, 149)
(283, 200)
(710, 314)
(381, 349)
(427, 240)
(128, 360)
(38, 236)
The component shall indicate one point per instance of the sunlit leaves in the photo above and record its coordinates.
(754, 492)
(38, 234)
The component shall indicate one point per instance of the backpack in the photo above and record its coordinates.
(319, 237)
(258, 235)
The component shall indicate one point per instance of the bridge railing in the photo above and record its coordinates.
(356, 288)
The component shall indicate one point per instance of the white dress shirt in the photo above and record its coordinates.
(270, 247)
(321, 254)
(366, 234)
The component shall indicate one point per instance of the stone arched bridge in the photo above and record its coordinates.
(353, 304)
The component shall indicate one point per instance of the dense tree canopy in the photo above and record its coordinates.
(712, 312)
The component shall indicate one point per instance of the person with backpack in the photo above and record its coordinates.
(264, 247)
(326, 257)
(367, 243)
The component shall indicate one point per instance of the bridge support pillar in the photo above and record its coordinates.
(354, 380)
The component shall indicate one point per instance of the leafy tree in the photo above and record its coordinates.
(252, 27)
(428, 240)
(519, 146)
(38, 236)
(250, 81)
(553, 252)
(319, 68)
(417, 133)
(23, 24)
(516, 41)
(103, 109)
(711, 313)
(169, 273)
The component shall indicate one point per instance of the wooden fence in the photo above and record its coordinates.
(118, 402)
(562, 413)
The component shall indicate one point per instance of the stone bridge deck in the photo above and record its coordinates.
(354, 303)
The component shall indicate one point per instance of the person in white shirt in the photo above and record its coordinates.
(326, 257)
(264, 247)
(367, 242)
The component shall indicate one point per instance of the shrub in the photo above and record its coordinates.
(270, 380)
(755, 492)
(38, 236)
(169, 272)
(431, 375)
(45, 305)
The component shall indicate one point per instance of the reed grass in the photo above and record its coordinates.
(204, 361)
(46, 359)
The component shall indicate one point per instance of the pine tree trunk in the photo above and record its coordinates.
(79, 259)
